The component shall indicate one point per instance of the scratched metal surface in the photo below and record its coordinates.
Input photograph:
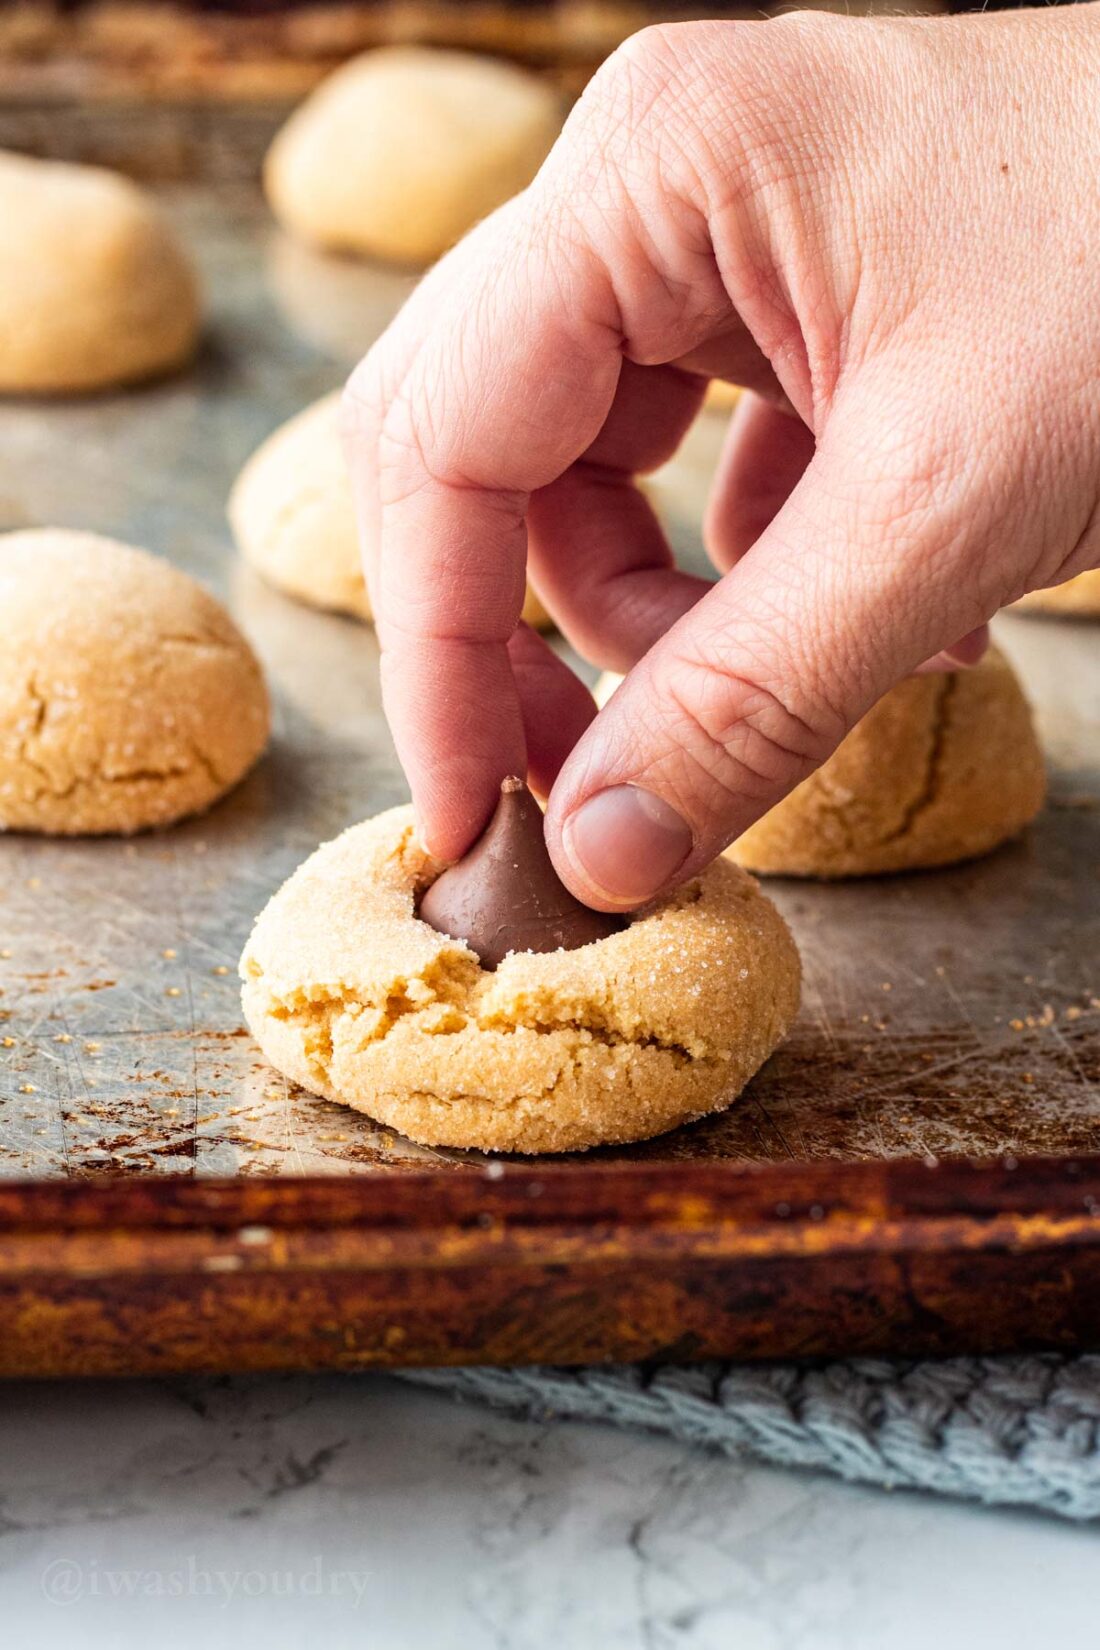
(949, 1013)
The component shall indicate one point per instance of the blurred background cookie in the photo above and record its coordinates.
(403, 150)
(1077, 598)
(95, 289)
(721, 397)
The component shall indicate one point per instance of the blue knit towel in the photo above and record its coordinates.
(1021, 1431)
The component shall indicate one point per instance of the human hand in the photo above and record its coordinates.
(889, 232)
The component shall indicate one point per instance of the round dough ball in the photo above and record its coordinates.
(351, 995)
(404, 149)
(128, 698)
(292, 516)
(1078, 598)
(943, 768)
(95, 289)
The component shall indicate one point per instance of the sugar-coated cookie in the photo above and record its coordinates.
(351, 995)
(128, 698)
(402, 150)
(292, 516)
(1077, 598)
(943, 768)
(95, 289)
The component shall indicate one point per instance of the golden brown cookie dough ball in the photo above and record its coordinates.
(292, 516)
(1078, 598)
(401, 151)
(943, 768)
(95, 289)
(351, 995)
(128, 698)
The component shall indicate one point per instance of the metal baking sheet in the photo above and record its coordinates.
(946, 1014)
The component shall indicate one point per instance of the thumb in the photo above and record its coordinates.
(855, 582)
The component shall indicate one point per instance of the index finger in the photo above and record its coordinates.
(494, 396)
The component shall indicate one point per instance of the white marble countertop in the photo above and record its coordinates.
(332, 1512)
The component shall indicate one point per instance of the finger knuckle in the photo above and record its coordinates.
(648, 58)
(810, 32)
(638, 89)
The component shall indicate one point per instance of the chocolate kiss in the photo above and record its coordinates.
(504, 895)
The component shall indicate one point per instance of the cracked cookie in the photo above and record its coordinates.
(128, 698)
(404, 149)
(1078, 598)
(943, 768)
(292, 516)
(350, 994)
(95, 289)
